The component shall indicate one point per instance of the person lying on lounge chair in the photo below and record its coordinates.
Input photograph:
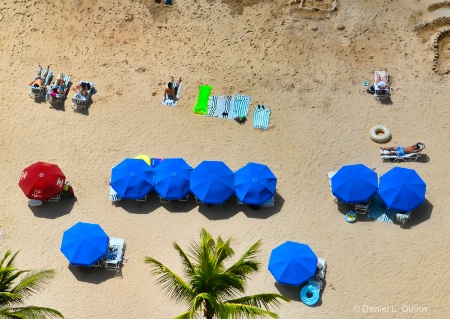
(171, 90)
(381, 82)
(81, 89)
(400, 150)
(39, 81)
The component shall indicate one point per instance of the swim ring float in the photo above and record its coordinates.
(350, 217)
(380, 138)
(310, 295)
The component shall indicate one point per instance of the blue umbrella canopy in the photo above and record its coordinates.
(354, 183)
(255, 184)
(83, 244)
(172, 177)
(132, 178)
(292, 263)
(212, 182)
(402, 189)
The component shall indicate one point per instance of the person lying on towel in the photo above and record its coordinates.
(171, 90)
(400, 150)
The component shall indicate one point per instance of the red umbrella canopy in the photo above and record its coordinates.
(42, 181)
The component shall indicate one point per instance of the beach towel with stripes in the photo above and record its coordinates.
(240, 107)
(261, 117)
(220, 106)
(379, 211)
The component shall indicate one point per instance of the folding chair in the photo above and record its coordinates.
(381, 93)
(403, 217)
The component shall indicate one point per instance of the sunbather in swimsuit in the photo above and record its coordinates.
(38, 80)
(171, 90)
(401, 151)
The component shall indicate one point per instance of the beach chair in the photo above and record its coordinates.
(142, 199)
(261, 117)
(67, 80)
(115, 255)
(38, 92)
(381, 93)
(386, 157)
(170, 102)
(184, 199)
(403, 217)
(113, 196)
(81, 102)
(269, 203)
(163, 200)
(34, 202)
(310, 293)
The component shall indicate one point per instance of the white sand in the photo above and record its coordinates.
(320, 121)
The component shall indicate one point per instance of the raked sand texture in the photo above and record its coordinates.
(308, 66)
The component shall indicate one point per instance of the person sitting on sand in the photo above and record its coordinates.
(381, 82)
(81, 89)
(171, 90)
(400, 151)
(39, 81)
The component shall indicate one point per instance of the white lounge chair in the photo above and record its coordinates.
(386, 156)
(34, 202)
(381, 93)
(60, 97)
(403, 217)
(113, 196)
(38, 92)
(314, 286)
(269, 203)
(81, 102)
(115, 255)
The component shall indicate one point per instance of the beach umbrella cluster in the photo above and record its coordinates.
(401, 189)
(212, 182)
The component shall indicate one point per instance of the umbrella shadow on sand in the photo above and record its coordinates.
(52, 210)
(344, 208)
(93, 275)
(138, 207)
(419, 215)
(293, 292)
(264, 212)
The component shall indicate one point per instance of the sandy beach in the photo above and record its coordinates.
(307, 66)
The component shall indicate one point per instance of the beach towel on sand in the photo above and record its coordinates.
(241, 104)
(220, 106)
(261, 117)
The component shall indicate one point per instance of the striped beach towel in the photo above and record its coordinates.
(379, 211)
(261, 117)
(240, 107)
(220, 106)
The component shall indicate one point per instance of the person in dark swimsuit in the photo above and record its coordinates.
(39, 81)
(171, 90)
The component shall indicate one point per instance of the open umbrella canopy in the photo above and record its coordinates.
(402, 189)
(354, 183)
(42, 181)
(255, 184)
(132, 178)
(292, 263)
(212, 182)
(172, 177)
(84, 244)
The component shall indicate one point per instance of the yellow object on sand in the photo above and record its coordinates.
(145, 158)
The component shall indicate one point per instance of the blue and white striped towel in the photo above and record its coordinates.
(220, 106)
(240, 107)
(261, 117)
(379, 211)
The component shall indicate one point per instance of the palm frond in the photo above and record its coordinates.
(33, 282)
(237, 311)
(30, 313)
(173, 285)
(260, 300)
(188, 268)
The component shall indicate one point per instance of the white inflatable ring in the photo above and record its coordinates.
(380, 138)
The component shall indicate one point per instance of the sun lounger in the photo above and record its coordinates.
(381, 93)
(81, 102)
(67, 80)
(113, 196)
(310, 293)
(403, 217)
(38, 92)
(34, 202)
(269, 203)
(261, 117)
(387, 156)
(170, 102)
(115, 255)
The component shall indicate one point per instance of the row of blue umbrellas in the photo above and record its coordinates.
(401, 189)
(212, 182)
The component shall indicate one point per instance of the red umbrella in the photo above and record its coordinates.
(42, 181)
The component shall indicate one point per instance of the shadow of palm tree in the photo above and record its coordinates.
(52, 210)
(92, 275)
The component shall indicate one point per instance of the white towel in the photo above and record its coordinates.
(220, 106)
(261, 117)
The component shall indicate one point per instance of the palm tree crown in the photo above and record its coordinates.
(211, 287)
(13, 296)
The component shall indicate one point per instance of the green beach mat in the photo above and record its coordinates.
(203, 97)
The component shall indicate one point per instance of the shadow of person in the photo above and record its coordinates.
(52, 210)
(92, 275)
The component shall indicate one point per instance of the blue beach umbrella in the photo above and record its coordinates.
(354, 183)
(172, 177)
(212, 182)
(255, 184)
(132, 178)
(83, 244)
(292, 263)
(402, 189)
